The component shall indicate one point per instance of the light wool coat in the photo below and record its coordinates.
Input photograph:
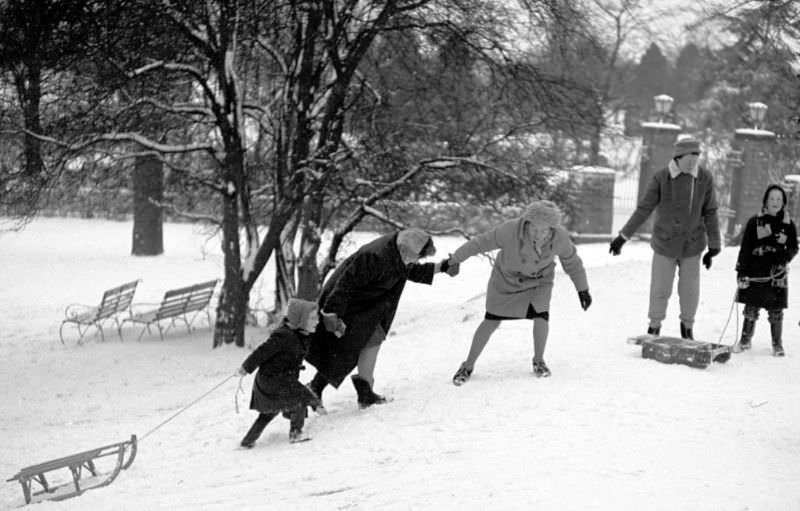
(521, 274)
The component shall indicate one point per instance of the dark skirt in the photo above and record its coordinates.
(336, 357)
(530, 314)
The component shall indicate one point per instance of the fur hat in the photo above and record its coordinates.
(298, 311)
(414, 243)
(686, 145)
(544, 212)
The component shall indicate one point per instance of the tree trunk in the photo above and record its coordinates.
(309, 280)
(28, 84)
(594, 148)
(232, 305)
(148, 219)
(284, 280)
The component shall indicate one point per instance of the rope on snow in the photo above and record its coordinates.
(187, 406)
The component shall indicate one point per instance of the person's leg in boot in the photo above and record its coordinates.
(748, 328)
(317, 385)
(364, 379)
(479, 340)
(297, 420)
(688, 293)
(541, 329)
(776, 329)
(662, 275)
(256, 429)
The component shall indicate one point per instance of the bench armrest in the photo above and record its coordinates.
(74, 310)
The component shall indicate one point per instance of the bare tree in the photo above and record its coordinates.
(38, 40)
(266, 91)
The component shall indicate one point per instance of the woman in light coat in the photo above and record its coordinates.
(522, 278)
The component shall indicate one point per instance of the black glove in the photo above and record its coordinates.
(585, 298)
(707, 258)
(449, 268)
(616, 245)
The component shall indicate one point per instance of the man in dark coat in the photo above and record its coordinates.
(769, 243)
(358, 304)
(279, 360)
(684, 203)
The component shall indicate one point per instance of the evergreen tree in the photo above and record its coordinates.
(653, 76)
(688, 75)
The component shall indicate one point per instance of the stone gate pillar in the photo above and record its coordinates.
(750, 164)
(658, 139)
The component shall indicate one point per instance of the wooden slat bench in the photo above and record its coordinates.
(178, 304)
(115, 302)
(76, 463)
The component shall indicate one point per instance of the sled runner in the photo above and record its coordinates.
(76, 463)
(674, 350)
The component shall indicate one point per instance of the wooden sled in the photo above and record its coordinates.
(674, 350)
(76, 463)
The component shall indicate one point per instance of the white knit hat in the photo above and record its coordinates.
(544, 212)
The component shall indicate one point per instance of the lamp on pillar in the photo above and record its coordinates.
(657, 148)
(663, 105)
(757, 112)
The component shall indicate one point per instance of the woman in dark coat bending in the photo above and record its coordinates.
(358, 303)
(279, 360)
(769, 242)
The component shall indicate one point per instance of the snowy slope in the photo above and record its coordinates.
(608, 431)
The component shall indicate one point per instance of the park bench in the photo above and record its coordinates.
(182, 304)
(76, 463)
(115, 302)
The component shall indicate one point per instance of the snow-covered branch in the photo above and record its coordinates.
(123, 137)
(176, 108)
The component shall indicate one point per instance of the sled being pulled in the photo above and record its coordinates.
(674, 350)
(77, 464)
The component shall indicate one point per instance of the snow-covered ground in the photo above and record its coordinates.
(608, 431)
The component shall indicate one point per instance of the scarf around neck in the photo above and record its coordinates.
(675, 171)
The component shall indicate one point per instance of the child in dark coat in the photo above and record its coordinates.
(279, 360)
(769, 242)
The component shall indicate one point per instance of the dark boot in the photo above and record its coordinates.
(654, 330)
(317, 385)
(686, 333)
(776, 328)
(745, 343)
(366, 397)
(256, 429)
(297, 419)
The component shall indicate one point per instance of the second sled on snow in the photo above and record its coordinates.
(674, 350)
(85, 468)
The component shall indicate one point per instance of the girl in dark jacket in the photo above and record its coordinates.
(279, 360)
(769, 242)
